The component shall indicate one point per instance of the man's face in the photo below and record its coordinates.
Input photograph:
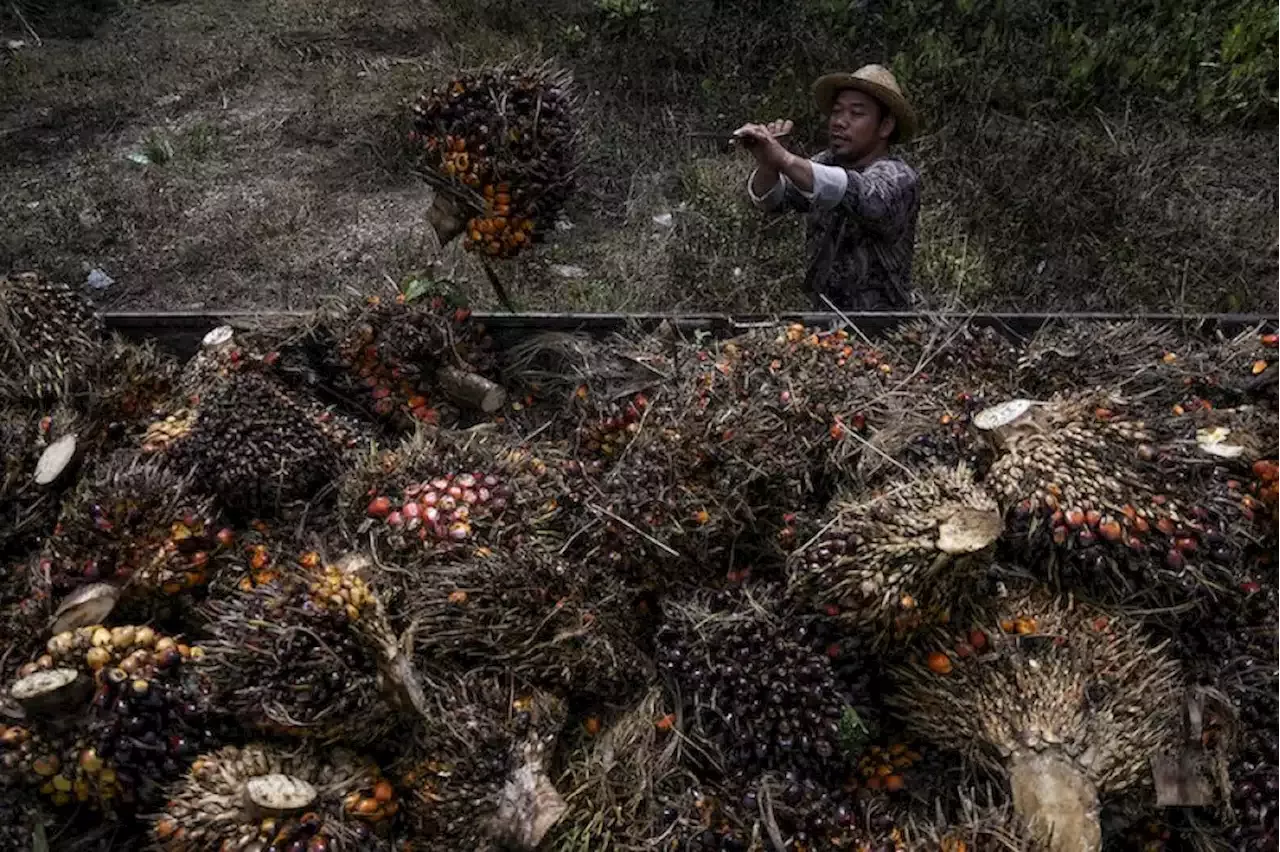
(857, 125)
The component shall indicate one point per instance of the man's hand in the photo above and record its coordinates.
(762, 141)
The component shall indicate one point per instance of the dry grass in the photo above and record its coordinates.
(278, 124)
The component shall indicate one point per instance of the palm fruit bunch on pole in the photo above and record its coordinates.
(109, 714)
(756, 695)
(533, 615)
(475, 776)
(503, 141)
(448, 492)
(139, 529)
(311, 655)
(898, 560)
(49, 338)
(263, 796)
(1106, 504)
(1071, 702)
(410, 362)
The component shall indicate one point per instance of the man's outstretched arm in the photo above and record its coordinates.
(782, 180)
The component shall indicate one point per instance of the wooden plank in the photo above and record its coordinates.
(181, 331)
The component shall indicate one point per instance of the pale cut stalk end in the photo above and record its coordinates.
(1058, 804)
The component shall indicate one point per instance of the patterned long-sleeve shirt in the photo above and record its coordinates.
(861, 231)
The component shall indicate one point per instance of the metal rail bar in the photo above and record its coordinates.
(182, 330)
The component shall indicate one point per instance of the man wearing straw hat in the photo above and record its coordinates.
(860, 202)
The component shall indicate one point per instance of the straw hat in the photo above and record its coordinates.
(878, 82)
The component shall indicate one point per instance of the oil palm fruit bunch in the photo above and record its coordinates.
(262, 796)
(534, 615)
(568, 378)
(1103, 503)
(753, 689)
(794, 812)
(138, 526)
(649, 517)
(619, 768)
(1267, 472)
(1072, 703)
(309, 655)
(410, 361)
(1233, 651)
(894, 560)
(451, 492)
(958, 359)
(507, 136)
(1254, 777)
(42, 452)
(1065, 356)
(137, 382)
(261, 447)
(476, 775)
(109, 713)
(789, 405)
(49, 337)
(979, 824)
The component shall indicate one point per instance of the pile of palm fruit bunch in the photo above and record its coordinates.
(503, 142)
(945, 589)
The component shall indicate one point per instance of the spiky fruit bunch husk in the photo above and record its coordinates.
(138, 380)
(745, 812)
(28, 510)
(886, 561)
(962, 361)
(508, 135)
(26, 605)
(49, 337)
(981, 824)
(569, 377)
(615, 775)
(135, 712)
(1100, 500)
(1066, 356)
(650, 519)
(309, 654)
(794, 405)
(261, 447)
(754, 691)
(537, 616)
(342, 802)
(475, 776)
(447, 492)
(1073, 696)
(1224, 372)
(387, 354)
(138, 525)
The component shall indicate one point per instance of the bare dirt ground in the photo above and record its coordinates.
(274, 133)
